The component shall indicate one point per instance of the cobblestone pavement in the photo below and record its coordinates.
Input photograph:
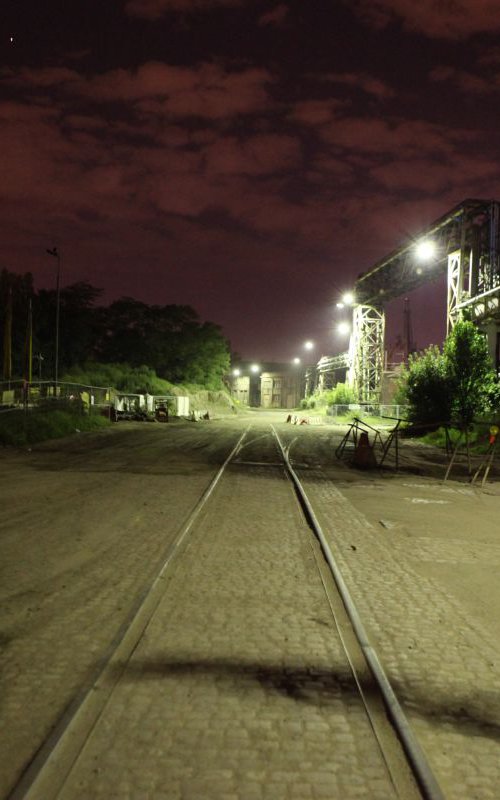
(445, 670)
(83, 529)
(239, 688)
(241, 661)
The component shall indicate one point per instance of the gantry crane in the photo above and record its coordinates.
(465, 246)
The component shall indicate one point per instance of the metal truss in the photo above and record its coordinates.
(366, 352)
(471, 227)
(328, 369)
(474, 272)
(467, 244)
(324, 374)
(455, 287)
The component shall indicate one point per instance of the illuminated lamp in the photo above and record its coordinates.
(426, 250)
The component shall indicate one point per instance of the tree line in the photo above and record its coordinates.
(171, 340)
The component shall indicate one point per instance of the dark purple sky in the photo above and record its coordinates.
(247, 157)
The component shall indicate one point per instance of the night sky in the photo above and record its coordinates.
(246, 157)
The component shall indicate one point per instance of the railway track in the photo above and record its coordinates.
(254, 457)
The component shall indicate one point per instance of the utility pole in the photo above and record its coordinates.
(55, 253)
(408, 331)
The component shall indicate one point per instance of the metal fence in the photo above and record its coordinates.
(392, 411)
(49, 396)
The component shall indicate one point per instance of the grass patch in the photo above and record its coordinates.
(18, 428)
(478, 438)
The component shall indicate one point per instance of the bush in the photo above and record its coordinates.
(469, 371)
(19, 428)
(341, 395)
(458, 383)
(425, 387)
(478, 438)
(122, 377)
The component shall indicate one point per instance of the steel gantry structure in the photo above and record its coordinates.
(466, 247)
(366, 352)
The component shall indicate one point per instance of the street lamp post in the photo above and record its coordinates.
(310, 373)
(55, 253)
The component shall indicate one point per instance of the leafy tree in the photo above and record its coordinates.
(170, 339)
(20, 289)
(426, 388)
(78, 325)
(469, 371)
(458, 383)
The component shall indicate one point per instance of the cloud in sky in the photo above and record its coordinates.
(155, 9)
(440, 19)
(206, 90)
(243, 165)
(315, 112)
(468, 82)
(392, 136)
(199, 164)
(367, 83)
(150, 162)
(275, 16)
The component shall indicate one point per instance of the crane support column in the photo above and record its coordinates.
(366, 352)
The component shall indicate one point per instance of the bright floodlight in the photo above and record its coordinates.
(348, 299)
(426, 250)
(296, 360)
(236, 372)
(255, 368)
(309, 345)
(343, 328)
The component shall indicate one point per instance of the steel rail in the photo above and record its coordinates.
(416, 756)
(46, 774)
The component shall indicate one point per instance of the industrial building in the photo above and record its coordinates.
(268, 385)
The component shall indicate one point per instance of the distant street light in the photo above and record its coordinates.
(343, 328)
(296, 360)
(309, 345)
(348, 299)
(255, 368)
(55, 254)
(236, 372)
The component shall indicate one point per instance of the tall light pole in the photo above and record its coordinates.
(55, 253)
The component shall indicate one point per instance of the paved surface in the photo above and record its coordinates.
(244, 662)
(240, 688)
(444, 666)
(84, 525)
